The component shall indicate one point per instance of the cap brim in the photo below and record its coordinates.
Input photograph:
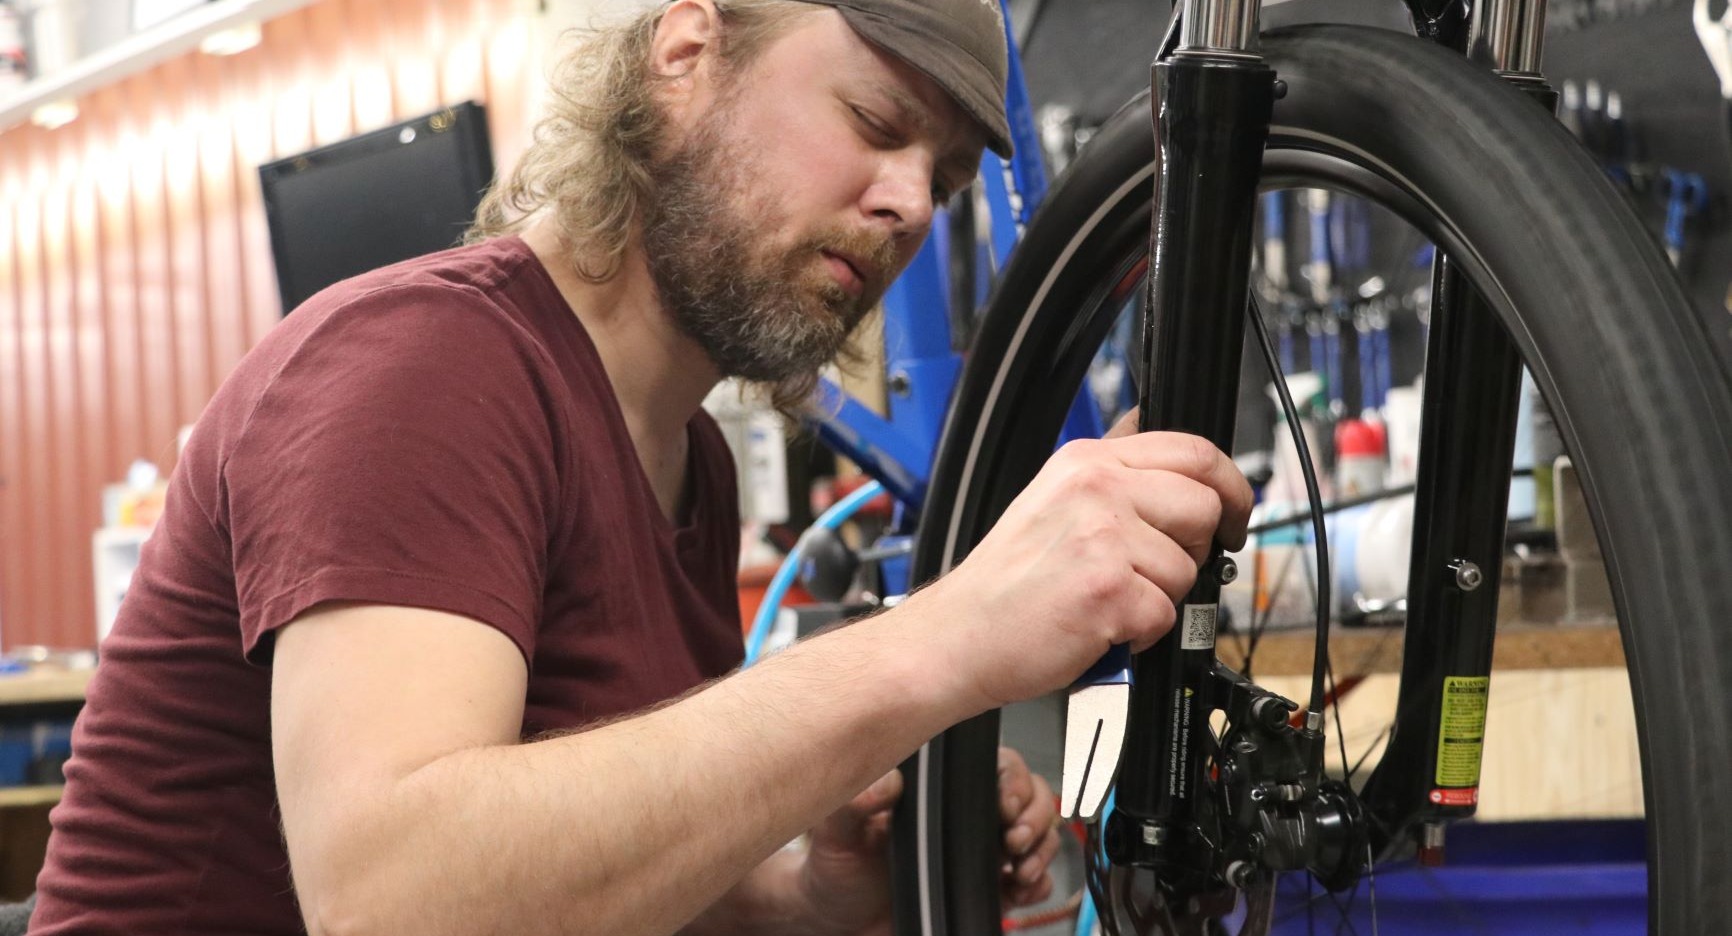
(938, 60)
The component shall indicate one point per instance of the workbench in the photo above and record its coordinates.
(43, 693)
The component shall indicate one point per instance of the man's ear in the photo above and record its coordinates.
(683, 56)
(686, 39)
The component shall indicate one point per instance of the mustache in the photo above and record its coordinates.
(875, 254)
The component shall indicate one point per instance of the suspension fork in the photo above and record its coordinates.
(1212, 100)
(1429, 774)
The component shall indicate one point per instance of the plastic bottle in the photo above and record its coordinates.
(1359, 457)
(1548, 447)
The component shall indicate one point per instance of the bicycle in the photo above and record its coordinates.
(1540, 263)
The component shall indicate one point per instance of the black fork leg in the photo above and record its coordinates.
(1212, 107)
(1429, 773)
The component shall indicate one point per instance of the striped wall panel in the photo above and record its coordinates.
(135, 265)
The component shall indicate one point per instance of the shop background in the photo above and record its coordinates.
(135, 265)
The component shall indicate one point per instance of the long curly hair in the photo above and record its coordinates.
(587, 167)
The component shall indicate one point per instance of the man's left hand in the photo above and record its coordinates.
(846, 879)
(1030, 813)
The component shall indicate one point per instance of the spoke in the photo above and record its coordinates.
(1352, 901)
(1312, 899)
(1258, 625)
(1462, 916)
(1376, 650)
(1310, 906)
(1340, 730)
(1346, 920)
(1371, 879)
(1381, 735)
(1346, 912)
(1243, 648)
(1239, 634)
(1310, 570)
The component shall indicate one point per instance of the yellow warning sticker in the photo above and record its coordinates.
(1461, 733)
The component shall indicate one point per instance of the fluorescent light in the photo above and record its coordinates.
(55, 114)
(231, 41)
(148, 13)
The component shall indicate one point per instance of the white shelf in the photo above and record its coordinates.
(138, 52)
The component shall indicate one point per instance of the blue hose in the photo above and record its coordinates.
(837, 515)
(1085, 917)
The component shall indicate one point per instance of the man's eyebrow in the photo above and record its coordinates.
(912, 110)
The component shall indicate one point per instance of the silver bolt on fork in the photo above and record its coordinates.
(1467, 575)
(1226, 571)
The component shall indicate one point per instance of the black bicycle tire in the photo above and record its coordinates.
(1521, 206)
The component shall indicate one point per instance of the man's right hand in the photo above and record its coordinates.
(1097, 550)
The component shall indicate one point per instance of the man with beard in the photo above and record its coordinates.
(431, 636)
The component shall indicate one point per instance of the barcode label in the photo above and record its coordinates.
(1198, 631)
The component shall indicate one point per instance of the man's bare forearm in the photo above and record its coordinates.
(638, 826)
(766, 902)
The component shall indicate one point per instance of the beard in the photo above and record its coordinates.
(766, 314)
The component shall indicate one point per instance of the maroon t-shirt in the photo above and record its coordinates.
(438, 434)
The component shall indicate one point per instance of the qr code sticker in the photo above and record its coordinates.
(1199, 630)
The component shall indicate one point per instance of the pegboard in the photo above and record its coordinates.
(1672, 107)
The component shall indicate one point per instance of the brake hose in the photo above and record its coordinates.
(1320, 662)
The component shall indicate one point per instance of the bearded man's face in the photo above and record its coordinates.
(765, 303)
(798, 186)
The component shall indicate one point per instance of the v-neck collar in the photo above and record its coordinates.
(696, 504)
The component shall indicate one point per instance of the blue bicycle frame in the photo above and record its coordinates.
(919, 360)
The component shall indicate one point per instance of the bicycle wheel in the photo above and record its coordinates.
(1641, 395)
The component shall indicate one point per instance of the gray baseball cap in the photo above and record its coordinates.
(958, 43)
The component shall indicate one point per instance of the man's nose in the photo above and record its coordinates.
(900, 197)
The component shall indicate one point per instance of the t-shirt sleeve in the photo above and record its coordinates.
(404, 453)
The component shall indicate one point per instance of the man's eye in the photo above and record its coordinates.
(873, 124)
